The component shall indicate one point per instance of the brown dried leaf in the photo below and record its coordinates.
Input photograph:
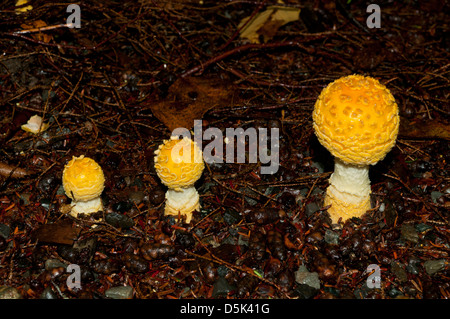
(11, 171)
(267, 23)
(35, 26)
(61, 232)
(190, 98)
(424, 129)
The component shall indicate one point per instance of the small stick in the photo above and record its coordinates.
(46, 28)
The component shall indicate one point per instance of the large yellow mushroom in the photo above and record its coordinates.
(179, 164)
(83, 182)
(356, 119)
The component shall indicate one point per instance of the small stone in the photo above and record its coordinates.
(231, 217)
(48, 293)
(4, 231)
(157, 196)
(119, 292)
(423, 228)
(435, 195)
(398, 271)
(331, 237)
(434, 266)
(53, 263)
(119, 220)
(311, 208)
(136, 197)
(25, 197)
(9, 293)
(320, 166)
(409, 233)
(60, 190)
(412, 266)
(394, 293)
(305, 291)
(221, 287)
(304, 277)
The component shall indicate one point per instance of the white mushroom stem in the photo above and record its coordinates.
(86, 207)
(349, 183)
(182, 201)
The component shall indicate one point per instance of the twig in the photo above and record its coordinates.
(218, 260)
(420, 198)
(240, 49)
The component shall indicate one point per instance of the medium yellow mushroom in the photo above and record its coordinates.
(179, 164)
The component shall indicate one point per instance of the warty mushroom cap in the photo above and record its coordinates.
(177, 168)
(83, 179)
(356, 119)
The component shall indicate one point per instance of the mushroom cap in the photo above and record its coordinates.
(83, 179)
(356, 119)
(179, 163)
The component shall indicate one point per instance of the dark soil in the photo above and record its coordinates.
(115, 88)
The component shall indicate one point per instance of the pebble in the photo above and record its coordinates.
(331, 237)
(305, 291)
(136, 197)
(435, 195)
(434, 266)
(399, 271)
(311, 208)
(221, 287)
(9, 293)
(48, 293)
(412, 266)
(4, 231)
(53, 263)
(119, 292)
(304, 277)
(409, 233)
(320, 166)
(157, 196)
(119, 220)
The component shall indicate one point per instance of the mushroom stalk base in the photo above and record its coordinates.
(349, 191)
(86, 207)
(182, 201)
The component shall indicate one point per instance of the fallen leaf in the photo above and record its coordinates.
(424, 129)
(34, 27)
(22, 9)
(61, 232)
(35, 125)
(190, 98)
(11, 171)
(267, 23)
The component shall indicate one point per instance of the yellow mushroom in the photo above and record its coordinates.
(83, 182)
(356, 119)
(179, 164)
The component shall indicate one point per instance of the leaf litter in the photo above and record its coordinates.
(115, 92)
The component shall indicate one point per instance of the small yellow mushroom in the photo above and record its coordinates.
(83, 182)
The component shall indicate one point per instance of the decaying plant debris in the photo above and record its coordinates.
(115, 88)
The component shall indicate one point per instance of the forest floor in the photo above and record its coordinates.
(116, 87)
